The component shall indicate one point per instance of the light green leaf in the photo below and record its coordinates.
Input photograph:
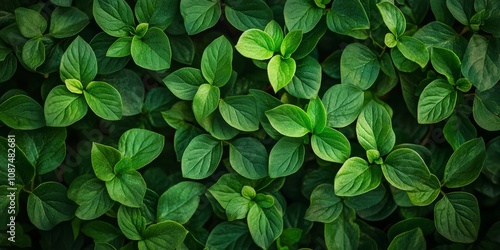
(22, 112)
(179, 202)
(199, 15)
(406, 170)
(265, 225)
(79, 62)
(104, 158)
(456, 217)
(374, 128)
(63, 108)
(140, 146)
(240, 112)
(184, 82)
(248, 157)
(414, 50)
(413, 239)
(343, 233)
(256, 44)
(436, 102)
(331, 145)
(48, 205)
(276, 32)
(343, 104)
(325, 205)
(486, 109)
(160, 13)
(165, 235)
(67, 22)
(245, 15)
(359, 66)
(104, 100)
(238, 208)
(348, 17)
(481, 63)
(465, 164)
(216, 62)
(152, 51)
(30, 22)
(302, 15)
(74, 86)
(201, 157)
(120, 48)
(290, 43)
(205, 101)
(115, 18)
(286, 157)
(128, 188)
(356, 177)
(290, 120)
(317, 113)
(393, 18)
(33, 53)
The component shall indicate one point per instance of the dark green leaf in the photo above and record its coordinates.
(462, 10)
(343, 103)
(179, 202)
(343, 233)
(436, 102)
(406, 170)
(393, 18)
(128, 188)
(201, 157)
(486, 109)
(414, 50)
(240, 112)
(458, 130)
(158, 14)
(440, 35)
(317, 113)
(447, 63)
(265, 225)
(115, 18)
(140, 146)
(104, 158)
(152, 51)
(356, 177)
(22, 112)
(286, 157)
(131, 222)
(230, 236)
(216, 62)
(131, 89)
(248, 157)
(79, 62)
(30, 22)
(184, 82)
(67, 22)
(325, 205)
(465, 164)
(413, 239)
(63, 108)
(481, 63)
(199, 15)
(120, 48)
(307, 79)
(331, 145)
(91, 196)
(34, 53)
(290, 43)
(302, 15)
(359, 66)
(245, 15)
(166, 235)
(348, 17)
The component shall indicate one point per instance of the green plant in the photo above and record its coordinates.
(297, 124)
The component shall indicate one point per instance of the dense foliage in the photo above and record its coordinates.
(250, 124)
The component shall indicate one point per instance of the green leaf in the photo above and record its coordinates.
(48, 205)
(274, 30)
(91, 196)
(406, 170)
(128, 188)
(131, 222)
(63, 108)
(343, 233)
(465, 164)
(286, 157)
(228, 187)
(490, 169)
(216, 62)
(22, 112)
(331, 145)
(374, 128)
(429, 191)
(343, 104)
(30, 22)
(436, 102)
(120, 48)
(166, 235)
(280, 71)
(104, 100)
(67, 22)
(414, 50)
(158, 14)
(317, 113)
(307, 79)
(249, 158)
(45, 148)
(199, 15)
(290, 43)
(201, 157)
(205, 101)
(140, 146)
(8, 67)
(413, 239)
(79, 62)
(131, 88)
(426, 226)
(359, 66)
(115, 18)
(179, 202)
(393, 18)
(104, 158)
(325, 205)
(107, 65)
(447, 63)
(245, 15)
(456, 217)
(240, 112)
(256, 44)
(63, 3)
(265, 225)
(184, 82)
(302, 15)
(462, 10)
(290, 120)
(440, 35)
(152, 51)
(230, 236)
(486, 109)
(402, 63)
(33, 54)
(458, 130)
(74, 86)
(182, 48)
(309, 41)
(238, 208)
(356, 177)
(348, 17)
(481, 63)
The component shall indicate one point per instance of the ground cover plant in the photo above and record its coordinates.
(231, 124)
